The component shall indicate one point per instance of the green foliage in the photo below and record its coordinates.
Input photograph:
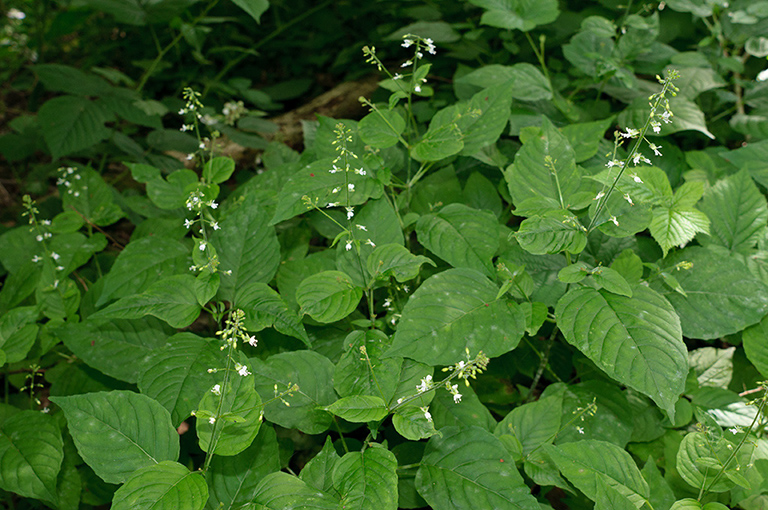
(530, 274)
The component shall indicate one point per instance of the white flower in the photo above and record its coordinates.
(190, 156)
(351, 187)
(371, 243)
(734, 430)
(212, 420)
(637, 158)
(360, 171)
(599, 196)
(202, 145)
(335, 190)
(655, 149)
(215, 225)
(332, 204)
(407, 43)
(387, 303)
(362, 227)
(350, 212)
(426, 382)
(762, 75)
(193, 268)
(228, 272)
(55, 256)
(614, 220)
(636, 178)
(406, 63)
(47, 235)
(419, 54)
(456, 398)
(253, 341)
(188, 223)
(400, 400)
(39, 238)
(202, 246)
(213, 205)
(182, 111)
(48, 222)
(427, 415)
(630, 133)
(216, 390)
(59, 268)
(656, 127)
(185, 127)
(666, 117)
(417, 88)
(397, 76)
(405, 288)
(348, 245)
(334, 169)
(580, 430)
(628, 199)
(36, 259)
(242, 370)
(14, 13)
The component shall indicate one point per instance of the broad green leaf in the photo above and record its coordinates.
(67, 79)
(232, 480)
(637, 341)
(737, 212)
(439, 31)
(442, 139)
(529, 84)
(118, 348)
(468, 468)
(695, 80)
(293, 272)
(218, 169)
(254, 8)
(544, 167)
(686, 504)
(613, 422)
(629, 265)
(359, 408)
(661, 494)
(462, 236)
(367, 374)
(487, 114)
(88, 194)
(367, 480)
(381, 128)
(470, 412)
(278, 491)
(673, 226)
(755, 341)
(393, 260)
(441, 187)
(118, 432)
(236, 409)
(524, 15)
(757, 46)
(412, 424)
(71, 124)
(316, 182)
(411, 374)
(318, 472)
(722, 296)
(754, 126)
(169, 193)
(164, 486)
(172, 299)
(753, 158)
(610, 498)
(696, 446)
(31, 453)
(712, 367)
(480, 193)
(585, 137)
(592, 54)
(247, 245)
(177, 375)
(265, 308)
(533, 424)
(687, 116)
(328, 296)
(611, 281)
(18, 332)
(583, 463)
(313, 373)
(456, 310)
(554, 232)
(574, 273)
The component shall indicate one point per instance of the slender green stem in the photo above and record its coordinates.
(542, 363)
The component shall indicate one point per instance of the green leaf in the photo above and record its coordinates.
(313, 373)
(480, 193)
(687, 116)
(524, 15)
(446, 412)
(442, 139)
(367, 374)
(367, 480)
(232, 480)
(254, 8)
(737, 212)
(172, 299)
(754, 126)
(31, 453)
(462, 236)
(381, 128)
(661, 494)
(118, 348)
(467, 468)
(118, 432)
(528, 83)
(697, 445)
(318, 472)
(612, 281)
(672, 226)
(412, 424)
(18, 332)
(695, 80)
(486, 115)
(245, 237)
(170, 193)
(554, 232)
(712, 367)
(755, 341)
(278, 491)
(722, 296)
(359, 408)
(533, 424)
(317, 183)
(592, 53)
(62, 78)
(609, 498)
(574, 273)
(453, 311)
(636, 341)
(583, 463)
(686, 504)
(585, 137)
(88, 194)
(164, 486)
(237, 411)
(177, 375)
(328, 296)
(393, 260)
(265, 308)
(71, 124)
(544, 167)
(217, 170)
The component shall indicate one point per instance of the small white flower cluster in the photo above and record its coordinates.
(195, 201)
(425, 385)
(235, 330)
(469, 368)
(453, 389)
(233, 111)
(421, 43)
(69, 179)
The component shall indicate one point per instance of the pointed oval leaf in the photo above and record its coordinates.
(411, 423)
(381, 128)
(696, 445)
(456, 310)
(396, 261)
(70, 124)
(367, 480)
(164, 486)
(31, 452)
(612, 281)
(535, 423)
(468, 468)
(722, 296)
(554, 232)
(280, 491)
(755, 340)
(356, 374)
(265, 308)
(636, 341)
(359, 408)
(318, 472)
(462, 236)
(583, 463)
(118, 432)
(328, 296)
